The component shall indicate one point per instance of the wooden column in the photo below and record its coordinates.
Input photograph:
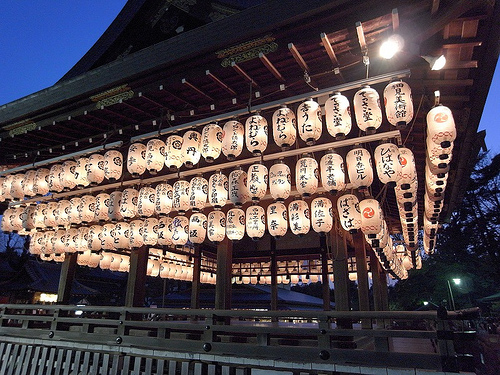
(66, 278)
(362, 274)
(195, 285)
(381, 343)
(136, 282)
(224, 270)
(274, 276)
(340, 272)
(325, 280)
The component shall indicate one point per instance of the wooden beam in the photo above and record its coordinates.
(136, 282)
(219, 82)
(243, 74)
(274, 276)
(435, 7)
(195, 285)
(298, 57)
(66, 278)
(325, 280)
(362, 274)
(269, 65)
(395, 19)
(194, 88)
(361, 37)
(224, 270)
(329, 49)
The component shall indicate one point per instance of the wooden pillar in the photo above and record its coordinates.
(274, 276)
(224, 270)
(195, 285)
(136, 282)
(381, 343)
(340, 272)
(325, 280)
(362, 274)
(66, 278)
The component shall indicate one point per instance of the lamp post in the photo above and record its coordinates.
(452, 299)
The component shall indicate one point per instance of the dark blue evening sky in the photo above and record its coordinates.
(40, 40)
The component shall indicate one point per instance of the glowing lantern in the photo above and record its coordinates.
(388, 163)
(441, 126)
(94, 260)
(128, 205)
(121, 235)
(155, 155)
(16, 189)
(164, 270)
(115, 201)
(55, 178)
(309, 121)
(321, 215)
(105, 262)
(146, 202)
(371, 216)
(211, 142)
(150, 231)
(136, 159)
(41, 184)
(106, 237)
(62, 212)
(180, 230)
(408, 168)
(59, 241)
(198, 192)
(83, 258)
(255, 222)
(116, 259)
(71, 238)
(438, 156)
(349, 213)
(256, 134)
(429, 243)
(306, 175)
(153, 267)
(86, 208)
(180, 200)
(359, 168)
(50, 241)
(277, 219)
(36, 243)
(332, 172)
(284, 127)
(257, 181)
(28, 183)
(235, 229)
(432, 208)
(125, 264)
(95, 169)
(164, 195)
(135, 234)
(367, 109)
(102, 204)
(197, 228)
(398, 103)
(338, 115)
(81, 174)
(218, 187)
(113, 162)
(238, 191)
(280, 181)
(435, 182)
(39, 217)
(28, 217)
(232, 141)
(7, 186)
(298, 213)
(165, 231)
(173, 158)
(49, 215)
(216, 226)
(190, 150)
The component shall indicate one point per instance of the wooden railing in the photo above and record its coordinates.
(406, 339)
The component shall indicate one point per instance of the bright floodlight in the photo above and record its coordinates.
(391, 46)
(426, 303)
(436, 63)
(457, 281)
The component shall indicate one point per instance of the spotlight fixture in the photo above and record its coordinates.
(391, 46)
(436, 63)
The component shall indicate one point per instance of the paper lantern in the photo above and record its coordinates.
(49, 242)
(349, 213)
(106, 237)
(332, 172)
(190, 150)
(388, 163)
(150, 231)
(68, 175)
(371, 216)
(280, 181)
(59, 241)
(95, 169)
(136, 159)
(146, 202)
(116, 260)
(86, 208)
(153, 267)
(16, 190)
(165, 231)
(70, 240)
(277, 219)
(298, 213)
(128, 205)
(121, 234)
(36, 241)
(62, 212)
(367, 109)
(105, 262)
(441, 126)
(155, 155)
(359, 168)
(39, 217)
(135, 235)
(435, 182)
(180, 200)
(197, 228)
(432, 209)
(180, 230)
(408, 168)
(198, 192)
(173, 158)
(164, 270)
(164, 195)
(321, 215)
(82, 239)
(216, 229)
(125, 264)
(257, 181)
(256, 134)
(83, 258)
(28, 183)
(338, 115)
(218, 186)
(115, 201)
(95, 258)
(55, 178)
(28, 217)
(41, 184)
(309, 121)
(113, 162)
(284, 127)
(438, 156)
(7, 186)
(306, 175)
(49, 214)
(429, 244)
(211, 142)
(238, 191)
(255, 222)
(398, 103)
(235, 229)
(102, 204)
(379, 240)
(81, 174)
(232, 141)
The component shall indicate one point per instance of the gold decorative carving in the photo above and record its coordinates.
(247, 50)
(244, 46)
(21, 127)
(112, 96)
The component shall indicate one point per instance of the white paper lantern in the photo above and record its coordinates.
(55, 178)
(216, 229)
(28, 183)
(81, 174)
(306, 176)
(155, 155)
(218, 186)
(238, 191)
(16, 190)
(146, 202)
(408, 168)
(190, 150)
(180, 200)
(87, 208)
(232, 141)
(197, 228)
(349, 213)
(28, 217)
(165, 231)
(136, 159)
(106, 237)
(211, 142)
(257, 181)
(36, 241)
(439, 157)
(113, 165)
(321, 215)
(83, 258)
(102, 203)
(435, 182)
(298, 213)
(95, 258)
(7, 185)
(359, 168)
(235, 229)
(115, 201)
(398, 103)
(50, 241)
(255, 222)
(59, 241)
(105, 262)
(125, 264)
(62, 213)
(95, 169)
(309, 121)
(49, 214)
(180, 230)
(71, 239)
(371, 216)
(41, 184)
(39, 217)
(338, 115)
(441, 126)
(367, 109)
(128, 205)
(277, 219)
(116, 260)
(153, 267)
(164, 195)
(432, 209)
(150, 231)
(332, 172)
(284, 127)
(198, 192)
(173, 157)
(280, 181)
(256, 134)
(135, 235)
(121, 235)
(388, 163)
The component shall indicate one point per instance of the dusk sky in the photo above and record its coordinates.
(41, 40)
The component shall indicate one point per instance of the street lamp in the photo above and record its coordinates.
(456, 282)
